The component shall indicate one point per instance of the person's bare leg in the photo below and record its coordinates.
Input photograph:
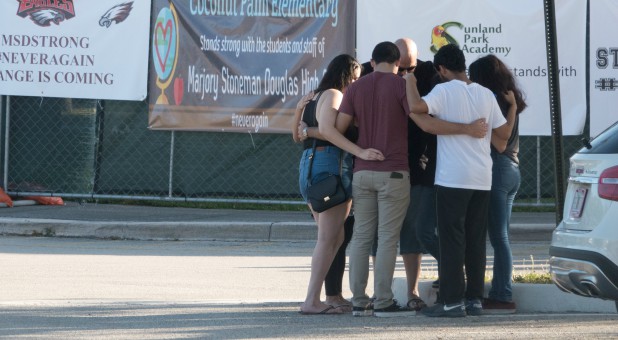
(330, 237)
(412, 265)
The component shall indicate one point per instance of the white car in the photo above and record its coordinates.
(584, 246)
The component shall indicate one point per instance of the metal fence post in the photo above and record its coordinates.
(1, 116)
(554, 99)
(7, 113)
(171, 176)
(538, 170)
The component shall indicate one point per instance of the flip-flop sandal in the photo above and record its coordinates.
(322, 312)
(416, 303)
(346, 307)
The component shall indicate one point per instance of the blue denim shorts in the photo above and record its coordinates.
(325, 162)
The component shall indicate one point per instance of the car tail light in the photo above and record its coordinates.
(608, 184)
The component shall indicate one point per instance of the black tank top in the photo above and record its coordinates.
(311, 121)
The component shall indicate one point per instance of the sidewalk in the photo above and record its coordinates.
(160, 223)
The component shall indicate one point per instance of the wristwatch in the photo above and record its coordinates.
(305, 132)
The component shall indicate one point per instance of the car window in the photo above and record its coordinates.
(606, 142)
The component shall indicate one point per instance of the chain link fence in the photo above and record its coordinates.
(537, 168)
(89, 149)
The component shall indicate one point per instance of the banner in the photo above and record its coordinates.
(74, 48)
(603, 65)
(514, 31)
(241, 65)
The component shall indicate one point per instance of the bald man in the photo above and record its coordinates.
(408, 61)
(408, 55)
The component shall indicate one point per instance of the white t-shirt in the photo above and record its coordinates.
(463, 161)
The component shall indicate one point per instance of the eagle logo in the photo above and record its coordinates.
(44, 17)
(116, 14)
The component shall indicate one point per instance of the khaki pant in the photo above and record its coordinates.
(380, 202)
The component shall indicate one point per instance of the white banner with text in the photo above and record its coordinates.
(514, 31)
(603, 65)
(75, 48)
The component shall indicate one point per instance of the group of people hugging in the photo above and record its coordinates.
(427, 154)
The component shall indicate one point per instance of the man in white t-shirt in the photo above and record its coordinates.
(463, 179)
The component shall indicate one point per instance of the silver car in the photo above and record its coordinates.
(584, 247)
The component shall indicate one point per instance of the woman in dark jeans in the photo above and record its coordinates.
(492, 73)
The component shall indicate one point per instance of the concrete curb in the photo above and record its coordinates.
(293, 231)
(163, 231)
(530, 298)
(184, 230)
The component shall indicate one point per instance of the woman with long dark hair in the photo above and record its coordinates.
(321, 112)
(492, 73)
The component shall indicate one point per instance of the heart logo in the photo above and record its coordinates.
(167, 46)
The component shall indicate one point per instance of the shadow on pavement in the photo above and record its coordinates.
(272, 320)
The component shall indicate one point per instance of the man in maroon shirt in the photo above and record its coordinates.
(377, 104)
(381, 190)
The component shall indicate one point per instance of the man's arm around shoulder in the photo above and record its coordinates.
(419, 114)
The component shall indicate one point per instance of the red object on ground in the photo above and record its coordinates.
(4, 198)
(46, 200)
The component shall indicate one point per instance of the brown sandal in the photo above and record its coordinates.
(327, 310)
(416, 303)
(339, 302)
(346, 308)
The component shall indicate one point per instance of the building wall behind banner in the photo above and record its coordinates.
(100, 149)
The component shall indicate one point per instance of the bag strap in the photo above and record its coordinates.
(314, 140)
(340, 162)
(311, 161)
(314, 146)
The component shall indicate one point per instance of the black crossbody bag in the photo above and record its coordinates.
(327, 192)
